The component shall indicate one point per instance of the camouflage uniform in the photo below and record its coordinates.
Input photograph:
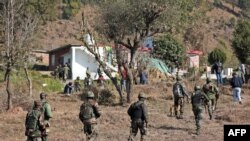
(139, 116)
(179, 94)
(65, 72)
(34, 125)
(88, 74)
(87, 82)
(47, 114)
(197, 99)
(211, 91)
(56, 72)
(90, 124)
(77, 84)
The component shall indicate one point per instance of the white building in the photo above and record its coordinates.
(79, 59)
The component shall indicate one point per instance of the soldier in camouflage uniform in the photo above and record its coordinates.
(211, 91)
(56, 72)
(65, 72)
(89, 113)
(47, 114)
(139, 116)
(34, 122)
(179, 92)
(197, 100)
(77, 84)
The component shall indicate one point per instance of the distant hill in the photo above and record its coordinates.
(215, 29)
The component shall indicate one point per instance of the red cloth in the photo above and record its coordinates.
(124, 74)
(101, 77)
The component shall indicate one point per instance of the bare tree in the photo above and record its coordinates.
(93, 49)
(18, 25)
(128, 23)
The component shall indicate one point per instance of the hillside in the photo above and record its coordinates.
(213, 29)
(115, 123)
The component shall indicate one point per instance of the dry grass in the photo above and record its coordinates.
(114, 123)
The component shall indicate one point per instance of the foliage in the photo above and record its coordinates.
(46, 8)
(241, 41)
(217, 3)
(70, 8)
(20, 82)
(215, 55)
(51, 84)
(129, 22)
(169, 50)
(106, 97)
(244, 4)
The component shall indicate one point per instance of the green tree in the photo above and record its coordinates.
(241, 41)
(217, 55)
(46, 8)
(169, 50)
(217, 3)
(70, 8)
(244, 4)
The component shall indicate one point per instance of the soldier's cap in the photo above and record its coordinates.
(37, 103)
(141, 95)
(43, 94)
(90, 94)
(197, 87)
(209, 80)
(178, 78)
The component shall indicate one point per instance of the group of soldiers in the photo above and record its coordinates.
(37, 120)
(90, 112)
(62, 72)
(205, 96)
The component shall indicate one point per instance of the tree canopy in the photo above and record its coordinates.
(169, 50)
(241, 41)
(217, 55)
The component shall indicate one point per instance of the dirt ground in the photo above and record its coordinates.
(114, 123)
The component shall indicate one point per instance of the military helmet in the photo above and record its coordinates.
(90, 94)
(209, 79)
(197, 87)
(43, 95)
(37, 103)
(178, 78)
(141, 95)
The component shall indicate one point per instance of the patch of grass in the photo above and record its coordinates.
(20, 82)
(45, 83)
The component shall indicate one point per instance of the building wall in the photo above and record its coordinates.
(44, 57)
(80, 61)
(193, 61)
(57, 55)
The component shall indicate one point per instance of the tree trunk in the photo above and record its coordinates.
(29, 79)
(7, 72)
(8, 90)
(132, 57)
(129, 85)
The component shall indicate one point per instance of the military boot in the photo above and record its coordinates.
(197, 131)
(210, 117)
(181, 116)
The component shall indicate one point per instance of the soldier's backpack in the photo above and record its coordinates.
(31, 124)
(86, 111)
(31, 119)
(177, 90)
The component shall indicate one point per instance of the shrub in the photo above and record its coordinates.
(215, 55)
(106, 97)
